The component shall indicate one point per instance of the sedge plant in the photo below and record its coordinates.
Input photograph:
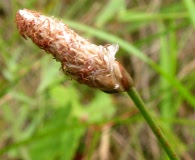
(87, 63)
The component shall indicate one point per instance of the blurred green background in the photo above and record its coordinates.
(44, 115)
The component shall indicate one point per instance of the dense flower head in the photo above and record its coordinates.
(83, 61)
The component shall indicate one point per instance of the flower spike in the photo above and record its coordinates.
(83, 61)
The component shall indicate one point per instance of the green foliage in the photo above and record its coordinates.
(61, 136)
(109, 11)
(46, 115)
(190, 5)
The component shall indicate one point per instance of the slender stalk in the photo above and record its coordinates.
(132, 92)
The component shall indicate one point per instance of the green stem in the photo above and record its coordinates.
(132, 92)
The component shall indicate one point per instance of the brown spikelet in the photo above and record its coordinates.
(85, 62)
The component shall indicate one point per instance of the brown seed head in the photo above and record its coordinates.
(85, 62)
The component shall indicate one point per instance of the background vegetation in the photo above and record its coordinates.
(46, 116)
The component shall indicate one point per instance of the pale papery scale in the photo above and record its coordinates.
(85, 62)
